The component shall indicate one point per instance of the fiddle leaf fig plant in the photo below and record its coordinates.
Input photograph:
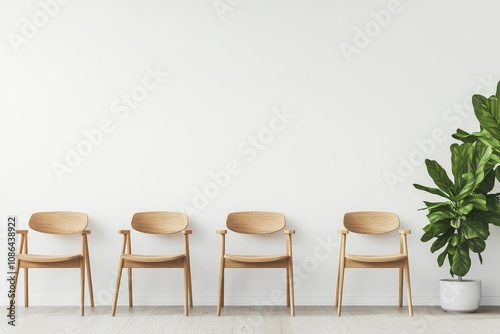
(460, 223)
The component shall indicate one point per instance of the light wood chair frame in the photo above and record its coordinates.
(257, 222)
(56, 222)
(164, 223)
(373, 222)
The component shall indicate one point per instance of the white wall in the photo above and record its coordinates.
(362, 111)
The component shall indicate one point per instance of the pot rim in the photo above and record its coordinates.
(453, 280)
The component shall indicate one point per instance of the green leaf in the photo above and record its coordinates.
(460, 262)
(481, 155)
(476, 245)
(434, 205)
(459, 162)
(488, 183)
(434, 230)
(439, 176)
(464, 136)
(433, 191)
(491, 217)
(497, 173)
(441, 241)
(474, 229)
(478, 201)
(440, 213)
(442, 257)
(468, 187)
(437, 228)
(486, 116)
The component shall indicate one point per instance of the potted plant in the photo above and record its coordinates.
(460, 223)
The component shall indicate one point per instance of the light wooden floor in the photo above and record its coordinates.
(244, 319)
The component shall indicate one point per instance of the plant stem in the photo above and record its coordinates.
(459, 278)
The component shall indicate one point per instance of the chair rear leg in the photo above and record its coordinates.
(287, 288)
(186, 289)
(130, 298)
(82, 286)
(292, 297)
(337, 289)
(401, 279)
(190, 288)
(26, 304)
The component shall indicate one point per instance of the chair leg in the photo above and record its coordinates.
(89, 279)
(223, 294)
(408, 287)
(220, 302)
(287, 288)
(26, 304)
(82, 286)
(401, 279)
(340, 285)
(190, 288)
(292, 297)
(130, 301)
(117, 289)
(337, 288)
(186, 288)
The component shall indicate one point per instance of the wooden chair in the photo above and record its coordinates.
(156, 223)
(257, 223)
(56, 223)
(373, 223)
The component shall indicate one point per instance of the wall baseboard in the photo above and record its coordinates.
(243, 300)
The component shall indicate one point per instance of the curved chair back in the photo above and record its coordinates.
(255, 222)
(371, 222)
(159, 222)
(58, 222)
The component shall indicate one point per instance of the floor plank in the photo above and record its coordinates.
(253, 319)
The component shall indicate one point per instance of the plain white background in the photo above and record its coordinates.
(372, 88)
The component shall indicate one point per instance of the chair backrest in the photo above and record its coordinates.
(255, 222)
(58, 222)
(371, 222)
(159, 222)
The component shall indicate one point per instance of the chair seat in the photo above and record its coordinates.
(255, 258)
(375, 258)
(152, 258)
(48, 258)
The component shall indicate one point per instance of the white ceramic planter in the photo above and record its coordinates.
(464, 296)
